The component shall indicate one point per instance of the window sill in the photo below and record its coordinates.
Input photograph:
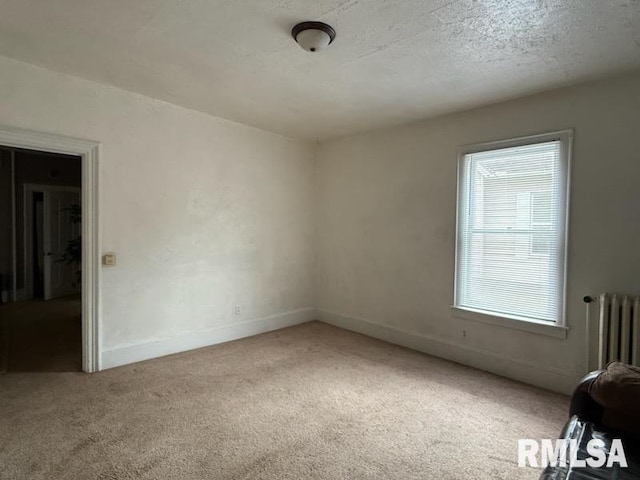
(531, 326)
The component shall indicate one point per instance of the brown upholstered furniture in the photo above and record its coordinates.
(605, 405)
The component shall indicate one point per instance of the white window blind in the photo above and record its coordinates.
(511, 231)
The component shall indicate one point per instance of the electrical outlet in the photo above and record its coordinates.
(236, 310)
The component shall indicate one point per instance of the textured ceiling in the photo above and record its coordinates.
(393, 61)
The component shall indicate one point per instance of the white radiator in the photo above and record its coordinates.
(618, 328)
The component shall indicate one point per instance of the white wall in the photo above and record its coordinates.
(203, 214)
(386, 224)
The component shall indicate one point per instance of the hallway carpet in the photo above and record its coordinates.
(42, 336)
(307, 402)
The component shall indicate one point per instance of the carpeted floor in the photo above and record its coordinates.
(42, 336)
(307, 402)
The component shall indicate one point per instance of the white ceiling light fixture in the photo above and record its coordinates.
(313, 36)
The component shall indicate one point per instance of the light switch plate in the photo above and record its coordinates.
(109, 259)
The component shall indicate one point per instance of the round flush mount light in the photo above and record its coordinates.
(313, 36)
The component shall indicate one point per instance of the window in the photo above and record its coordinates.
(541, 222)
(510, 252)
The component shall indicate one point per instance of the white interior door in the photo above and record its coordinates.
(59, 278)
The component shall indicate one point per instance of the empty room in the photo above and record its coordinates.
(331, 239)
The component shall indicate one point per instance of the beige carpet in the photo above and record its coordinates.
(308, 402)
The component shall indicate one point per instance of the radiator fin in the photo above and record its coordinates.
(619, 329)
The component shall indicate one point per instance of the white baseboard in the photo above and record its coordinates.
(127, 354)
(552, 379)
(549, 378)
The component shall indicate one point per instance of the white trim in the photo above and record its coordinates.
(89, 151)
(557, 380)
(567, 142)
(566, 145)
(524, 324)
(27, 222)
(14, 231)
(516, 141)
(126, 354)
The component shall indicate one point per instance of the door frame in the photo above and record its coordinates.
(89, 152)
(27, 203)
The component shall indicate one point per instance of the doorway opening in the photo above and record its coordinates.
(41, 260)
(89, 152)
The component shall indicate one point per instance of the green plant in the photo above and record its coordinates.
(72, 254)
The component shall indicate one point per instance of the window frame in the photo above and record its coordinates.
(559, 327)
